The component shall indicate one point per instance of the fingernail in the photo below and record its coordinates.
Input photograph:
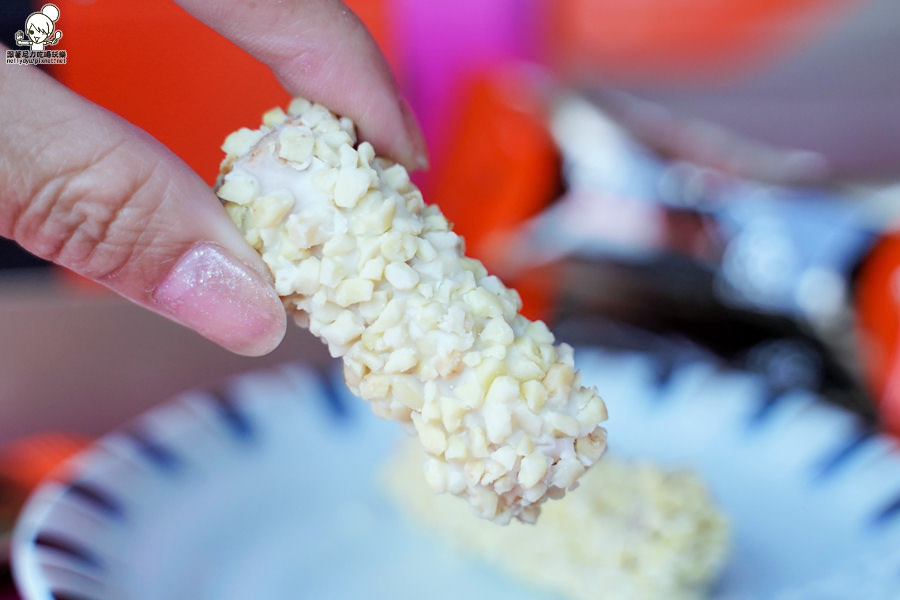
(222, 299)
(420, 158)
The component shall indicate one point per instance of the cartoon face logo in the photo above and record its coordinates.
(39, 27)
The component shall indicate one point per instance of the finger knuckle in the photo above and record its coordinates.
(93, 218)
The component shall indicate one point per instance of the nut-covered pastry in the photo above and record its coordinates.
(427, 336)
(632, 531)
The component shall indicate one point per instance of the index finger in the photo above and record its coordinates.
(320, 50)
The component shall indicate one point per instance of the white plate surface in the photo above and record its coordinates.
(269, 488)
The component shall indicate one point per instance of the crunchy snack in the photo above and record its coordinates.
(426, 335)
(631, 532)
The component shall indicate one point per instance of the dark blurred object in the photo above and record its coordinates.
(761, 275)
(7, 586)
(12, 18)
(13, 256)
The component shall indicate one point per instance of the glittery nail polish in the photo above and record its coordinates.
(222, 299)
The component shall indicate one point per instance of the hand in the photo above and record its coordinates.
(85, 189)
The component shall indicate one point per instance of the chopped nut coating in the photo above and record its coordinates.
(426, 335)
(632, 531)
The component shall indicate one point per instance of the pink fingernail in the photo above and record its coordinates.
(223, 300)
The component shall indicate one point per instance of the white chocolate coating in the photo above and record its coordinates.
(426, 335)
(632, 531)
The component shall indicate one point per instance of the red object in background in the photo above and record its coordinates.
(499, 168)
(878, 317)
(167, 73)
(27, 461)
(658, 41)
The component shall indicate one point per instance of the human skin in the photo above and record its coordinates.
(85, 189)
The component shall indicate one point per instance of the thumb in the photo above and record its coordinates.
(83, 188)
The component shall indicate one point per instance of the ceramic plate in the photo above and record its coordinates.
(268, 488)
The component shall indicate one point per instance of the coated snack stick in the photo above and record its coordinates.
(427, 336)
(633, 530)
